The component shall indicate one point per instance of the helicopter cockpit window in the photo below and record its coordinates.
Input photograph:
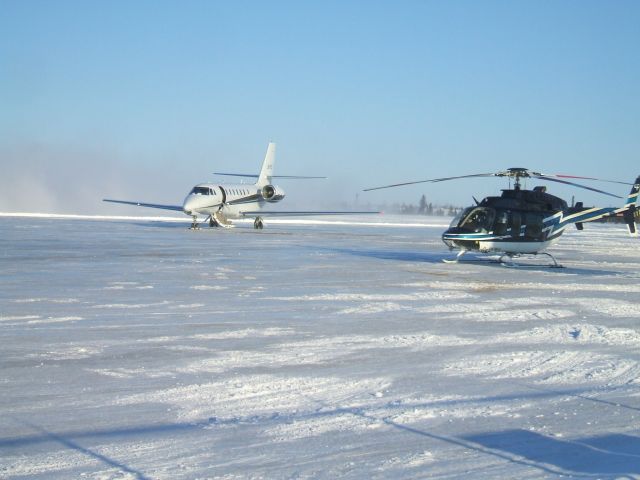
(459, 216)
(478, 220)
(200, 191)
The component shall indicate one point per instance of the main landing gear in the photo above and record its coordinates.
(258, 224)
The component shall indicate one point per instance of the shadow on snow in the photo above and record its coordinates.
(470, 259)
(614, 454)
(602, 455)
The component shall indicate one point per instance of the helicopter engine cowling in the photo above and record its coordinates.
(271, 193)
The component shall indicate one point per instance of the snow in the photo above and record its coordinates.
(136, 349)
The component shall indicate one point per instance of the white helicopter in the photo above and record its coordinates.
(520, 221)
(220, 203)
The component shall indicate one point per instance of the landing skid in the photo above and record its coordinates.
(506, 260)
(455, 260)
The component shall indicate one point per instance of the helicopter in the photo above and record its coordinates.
(524, 222)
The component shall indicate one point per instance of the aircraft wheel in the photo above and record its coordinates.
(257, 223)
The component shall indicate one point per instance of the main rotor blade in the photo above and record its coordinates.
(557, 175)
(550, 179)
(432, 180)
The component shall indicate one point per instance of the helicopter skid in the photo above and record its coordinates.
(506, 260)
(455, 260)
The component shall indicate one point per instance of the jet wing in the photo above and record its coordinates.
(274, 213)
(175, 208)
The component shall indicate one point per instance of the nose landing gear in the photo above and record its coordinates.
(258, 224)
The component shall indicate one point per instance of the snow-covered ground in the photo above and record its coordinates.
(142, 350)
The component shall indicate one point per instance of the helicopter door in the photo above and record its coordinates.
(502, 223)
(516, 222)
(533, 226)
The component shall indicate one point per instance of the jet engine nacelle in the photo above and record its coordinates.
(271, 193)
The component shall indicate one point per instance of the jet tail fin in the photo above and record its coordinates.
(266, 172)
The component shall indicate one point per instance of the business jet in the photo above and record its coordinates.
(220, 203)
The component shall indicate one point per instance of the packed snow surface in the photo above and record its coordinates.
(135, 349)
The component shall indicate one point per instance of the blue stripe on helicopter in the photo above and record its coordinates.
(559, 221)
(472, 236)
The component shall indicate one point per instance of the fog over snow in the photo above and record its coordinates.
(142, 350)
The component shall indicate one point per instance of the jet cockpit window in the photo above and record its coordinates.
(200, 191)
(478, 219)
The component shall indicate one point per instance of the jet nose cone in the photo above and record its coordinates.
(187, 206)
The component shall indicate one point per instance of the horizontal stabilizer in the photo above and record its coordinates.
(296, 177)
(174, 208)
(274, 213)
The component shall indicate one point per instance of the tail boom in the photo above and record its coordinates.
(558, 222)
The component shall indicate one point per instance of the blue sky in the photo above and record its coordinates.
(147, 98)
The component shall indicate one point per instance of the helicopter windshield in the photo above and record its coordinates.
(476, 219)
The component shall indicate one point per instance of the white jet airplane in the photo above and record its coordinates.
(219, 203)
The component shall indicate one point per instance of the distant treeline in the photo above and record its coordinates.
(619, 218)
(423, 207)
(426, 208)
